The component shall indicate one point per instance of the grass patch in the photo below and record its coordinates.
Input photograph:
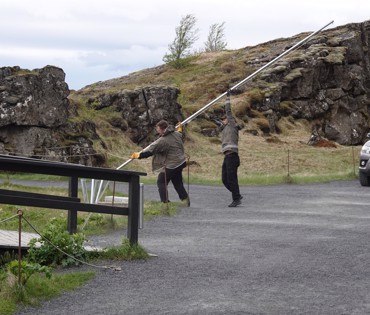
(38, 289)
(155, 208)
(294, 179)
(125, 251)
(8, 176)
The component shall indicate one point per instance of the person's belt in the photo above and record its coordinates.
(229, 152)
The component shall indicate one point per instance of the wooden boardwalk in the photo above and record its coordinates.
(10, 239)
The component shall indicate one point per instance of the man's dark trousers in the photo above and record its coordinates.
(230, 174)
(174, 175)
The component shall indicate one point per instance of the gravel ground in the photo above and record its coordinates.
(288, 249)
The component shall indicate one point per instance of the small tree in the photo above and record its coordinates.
(186, 36)
(215, 40)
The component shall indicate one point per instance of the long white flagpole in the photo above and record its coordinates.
(196, 114)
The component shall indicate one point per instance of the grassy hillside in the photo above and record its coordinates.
(265, 158)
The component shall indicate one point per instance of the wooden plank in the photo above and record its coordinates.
(10, 239)
(61, 204)
(36, 166)
(17, 193)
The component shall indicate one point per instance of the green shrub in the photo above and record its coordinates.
(6, 258)
(181, 62)
(57, 246)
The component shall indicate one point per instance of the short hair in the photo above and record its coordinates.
(162, 124)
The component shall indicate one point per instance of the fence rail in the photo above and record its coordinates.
(71, 202)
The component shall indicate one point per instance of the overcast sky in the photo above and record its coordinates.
(99, 40)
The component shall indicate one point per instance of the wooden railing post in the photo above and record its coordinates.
(133, 209)
(72, 213)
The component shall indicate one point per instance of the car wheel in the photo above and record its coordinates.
(364, 179)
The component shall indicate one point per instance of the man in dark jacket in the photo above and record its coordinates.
(230, 139)
(168, 159)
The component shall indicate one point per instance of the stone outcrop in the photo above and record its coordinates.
(34, 111)
(33, 98)
(326, 82)
(141, 109)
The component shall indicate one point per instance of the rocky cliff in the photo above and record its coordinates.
(326, 82)
(34, 111)
(140, 110)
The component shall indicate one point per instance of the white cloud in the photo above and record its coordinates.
(94, 40)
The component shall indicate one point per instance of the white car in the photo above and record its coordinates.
(364, 168)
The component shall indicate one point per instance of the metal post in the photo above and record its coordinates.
(20, 213)
(141, 214)
(188, 164)
(353, 161)
(92, 190)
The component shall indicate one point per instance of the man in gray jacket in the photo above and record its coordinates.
(168, 159)
(230, 139)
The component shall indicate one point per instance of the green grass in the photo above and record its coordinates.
(155, 208)
(38, 289)
(7, 176)
(125, 251)
(275, 179)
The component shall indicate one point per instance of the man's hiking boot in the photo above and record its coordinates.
(236, 202)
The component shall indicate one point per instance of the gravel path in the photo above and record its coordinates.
(289, 249)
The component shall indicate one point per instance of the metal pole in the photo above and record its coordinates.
(141, 213)
(190, 118)
(353, 161)
(20, 213)
(92, 190)
(188, 178)
(193, 116)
